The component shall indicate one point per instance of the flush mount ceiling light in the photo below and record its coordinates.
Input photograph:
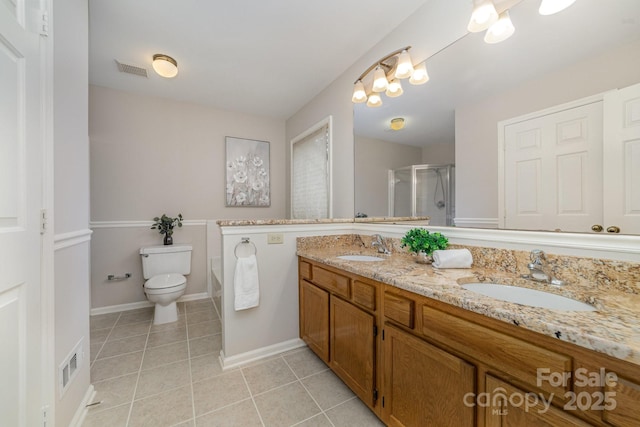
(397, 123)
(549, 7)
(386, 76)
(165, 65)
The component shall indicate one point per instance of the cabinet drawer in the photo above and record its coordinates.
(305, 269)
(399, 309)
(627, 398)
(506, 353)
(334, 282)
(364, 294)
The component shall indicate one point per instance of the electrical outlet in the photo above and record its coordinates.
(275, 238)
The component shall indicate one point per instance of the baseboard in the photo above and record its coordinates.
(193, 297)
(81, 412)
(258, 354)
(120, 307)
(142, 304)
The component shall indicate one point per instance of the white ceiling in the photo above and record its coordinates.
(265, 57)
(471, 70)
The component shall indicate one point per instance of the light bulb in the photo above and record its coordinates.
(549, 7)
(374, 100)
(404, 68)
(359, 94)
(420, 75)
(483, 16)
(394, 89)
(380, 82)
(501, 30)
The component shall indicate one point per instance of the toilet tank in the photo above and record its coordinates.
(165, 259)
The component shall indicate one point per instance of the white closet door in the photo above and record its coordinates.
(553, 170)
(622, 160)
(21, 164)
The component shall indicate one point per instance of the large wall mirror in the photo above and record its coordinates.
(451, 123)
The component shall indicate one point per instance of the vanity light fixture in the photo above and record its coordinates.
(165, 65)
(549, 7)
(386, 76)
(397, 123)
(501, 30)
(483, 16)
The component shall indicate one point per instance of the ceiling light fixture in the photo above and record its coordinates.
(501, 30)
(165, 65)
(397, 123)
(549, 7)
(386, 76)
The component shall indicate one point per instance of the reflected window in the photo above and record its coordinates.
(311, 172)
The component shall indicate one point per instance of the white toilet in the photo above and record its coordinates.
(164, 268)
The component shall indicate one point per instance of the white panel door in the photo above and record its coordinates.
(553, 170)
(21, 137)
(622, 161)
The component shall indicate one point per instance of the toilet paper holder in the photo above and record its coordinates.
(113, 277)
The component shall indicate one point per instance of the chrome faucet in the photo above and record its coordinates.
(537, 269)
(379, 242)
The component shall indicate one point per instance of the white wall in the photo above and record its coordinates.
(432, 27)
(375, 158)
(476, 148)
(71, 196)
(272, 326)
(151, 156)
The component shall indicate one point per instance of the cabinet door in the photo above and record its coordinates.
(353, 348)
(509, 406)
(424, 385)
(314, 319)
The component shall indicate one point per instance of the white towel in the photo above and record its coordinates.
(245, 283)
(453, 258)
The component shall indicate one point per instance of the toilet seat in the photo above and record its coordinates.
(165, 283)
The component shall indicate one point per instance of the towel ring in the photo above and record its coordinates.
(243, 241)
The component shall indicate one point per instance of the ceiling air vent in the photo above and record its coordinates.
(131, 69)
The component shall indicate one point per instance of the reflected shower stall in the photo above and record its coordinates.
(423, 190)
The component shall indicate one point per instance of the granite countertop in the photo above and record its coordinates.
(613, 329)
(423, 220)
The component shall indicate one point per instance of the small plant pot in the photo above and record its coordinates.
(168, 239)
(423, 258)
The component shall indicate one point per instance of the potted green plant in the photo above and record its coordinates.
(165, 224)
(422, 243)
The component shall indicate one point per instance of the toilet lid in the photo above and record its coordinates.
(163, 281)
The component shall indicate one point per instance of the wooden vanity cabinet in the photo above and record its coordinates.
(420, 362)
(339, 322)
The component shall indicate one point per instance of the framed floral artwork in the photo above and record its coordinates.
(247, 173)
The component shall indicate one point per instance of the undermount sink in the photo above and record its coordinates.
(526, 296)
(366, 258)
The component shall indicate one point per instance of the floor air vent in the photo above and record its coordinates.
(131, 69)
(69, 368)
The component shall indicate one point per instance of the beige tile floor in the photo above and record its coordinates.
(169, 375)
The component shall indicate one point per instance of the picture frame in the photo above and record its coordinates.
(247, 173)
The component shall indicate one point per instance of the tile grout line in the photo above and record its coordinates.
(135, 389)
(246, 383)
(309, 393)
(193, 398)
(105, 340)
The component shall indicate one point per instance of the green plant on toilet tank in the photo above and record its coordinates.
(165, 224)
(423, 243)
